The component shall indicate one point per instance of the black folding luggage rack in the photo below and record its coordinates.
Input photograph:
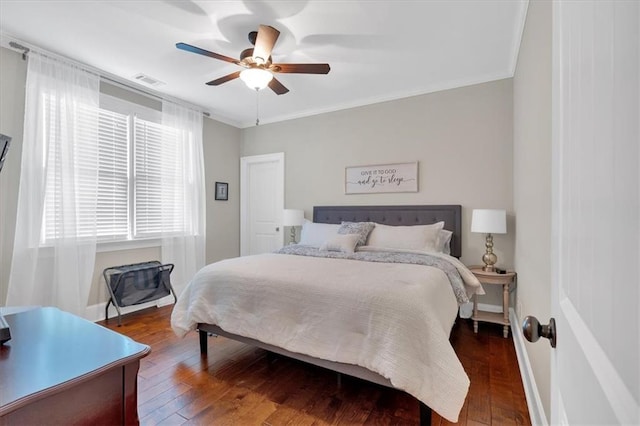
(137, 283)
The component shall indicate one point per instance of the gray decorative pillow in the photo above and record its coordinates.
(343, 243)
(361, 228)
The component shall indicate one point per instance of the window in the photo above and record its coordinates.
(139, 174)
(157, 179)
(112, 213)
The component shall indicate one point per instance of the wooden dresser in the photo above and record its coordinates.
(61, 369)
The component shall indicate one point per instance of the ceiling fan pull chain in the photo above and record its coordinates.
(257, 106)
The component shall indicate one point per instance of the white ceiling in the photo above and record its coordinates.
(378, 50)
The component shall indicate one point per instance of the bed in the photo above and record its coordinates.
(318, 309)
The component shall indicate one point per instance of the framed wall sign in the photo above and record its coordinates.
(222, 191)
(398, 177)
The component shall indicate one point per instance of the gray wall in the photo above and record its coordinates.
(532, 181)
(462, 139)
(222, 163)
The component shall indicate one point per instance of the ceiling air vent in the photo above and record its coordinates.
(149, 81)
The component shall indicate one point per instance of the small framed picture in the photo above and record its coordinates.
(222, 191)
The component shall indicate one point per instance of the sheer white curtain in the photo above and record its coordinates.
(58, 188)
(184, 211)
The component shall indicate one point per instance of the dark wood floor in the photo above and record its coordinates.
(241, 385)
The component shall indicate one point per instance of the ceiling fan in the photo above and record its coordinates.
(259, 68)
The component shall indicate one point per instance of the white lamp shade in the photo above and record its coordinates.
(293, 217)
(487, 221)
(256, 78)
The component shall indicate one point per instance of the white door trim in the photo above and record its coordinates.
(244, 162)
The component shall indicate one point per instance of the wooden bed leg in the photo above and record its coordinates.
(203, 342)
(425, 414)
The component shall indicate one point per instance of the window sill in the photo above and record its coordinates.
(109, 246)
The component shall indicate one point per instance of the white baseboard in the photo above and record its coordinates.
(96, 312)
(534, 403)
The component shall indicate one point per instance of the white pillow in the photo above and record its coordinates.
(315, 234)
(345, 243)
(444, 241)
(416, 237)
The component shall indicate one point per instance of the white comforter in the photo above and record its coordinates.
(393, 319)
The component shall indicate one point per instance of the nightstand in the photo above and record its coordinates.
(491, 278)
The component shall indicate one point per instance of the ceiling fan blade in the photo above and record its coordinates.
(302, 68)
(277, 87)
(228, 77)
(265, 41)
(193, 49)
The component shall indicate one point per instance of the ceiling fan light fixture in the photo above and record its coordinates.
(259, 70)
(256, 78)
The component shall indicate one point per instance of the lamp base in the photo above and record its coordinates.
(489, 258)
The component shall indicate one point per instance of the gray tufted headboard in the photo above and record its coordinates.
(398, 215)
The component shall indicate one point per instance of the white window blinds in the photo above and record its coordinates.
(140, 175)
(158, 180)
(113, 176)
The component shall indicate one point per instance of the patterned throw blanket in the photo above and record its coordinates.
(457, 283)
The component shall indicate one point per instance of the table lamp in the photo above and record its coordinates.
(487, 221)
(293, 218)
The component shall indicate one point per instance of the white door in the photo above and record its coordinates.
(261, 203)
(595, 367)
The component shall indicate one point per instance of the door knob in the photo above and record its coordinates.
(533, 330)
(277, 229)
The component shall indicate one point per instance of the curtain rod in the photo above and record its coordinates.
(17, 46)
(103, 77)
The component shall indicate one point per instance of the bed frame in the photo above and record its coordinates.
(389, 215)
